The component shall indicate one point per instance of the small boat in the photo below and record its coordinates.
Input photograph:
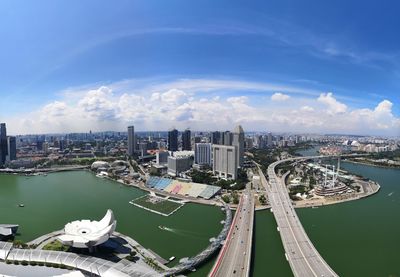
(21, 205)
(161, 227)
(171, 259)
(314, 207)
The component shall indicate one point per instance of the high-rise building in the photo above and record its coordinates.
(225, 161)
(215, 137)
(162, 157)
(173, 140)
(186, 142)
(3, 143)
(227, 135)
(248, 143)
(202, 153)
(260, 141)
(142, 148)
(238, 141)
(269, 140)
(11, 148)
(177, 165)
(131, 141)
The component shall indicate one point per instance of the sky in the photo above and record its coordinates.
(280, 66)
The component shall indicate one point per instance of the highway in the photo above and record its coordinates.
(234, 257)
(301, 254)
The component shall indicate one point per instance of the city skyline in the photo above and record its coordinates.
(145, 64)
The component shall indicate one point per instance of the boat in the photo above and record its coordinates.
(21, 205)
(161, 227)
(171, 259)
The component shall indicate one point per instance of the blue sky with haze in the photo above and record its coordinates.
(274, 64)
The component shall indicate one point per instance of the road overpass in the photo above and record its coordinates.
(235, 255)
(301, 254)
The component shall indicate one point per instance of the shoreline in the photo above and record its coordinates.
(372, 164)
(334, 202)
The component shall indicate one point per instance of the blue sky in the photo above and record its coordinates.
(82, 57)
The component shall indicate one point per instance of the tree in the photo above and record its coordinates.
(262, 199)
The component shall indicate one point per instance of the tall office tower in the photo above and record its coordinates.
(186, 140)
(248, 143)
(238, 141)
(215, 137)
(11, 148)
(196, 139)
(260, 141)
(269, 140)
(173, 140)
(225, 161)
(202, 154)
(131, 140)
(227, 138)
(3, 143)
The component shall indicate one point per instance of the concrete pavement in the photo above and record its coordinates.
(303, 258)
(235, 256)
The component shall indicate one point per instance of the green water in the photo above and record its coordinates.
(360, 238)
(357, 238)
(268, 255)
(58, 198)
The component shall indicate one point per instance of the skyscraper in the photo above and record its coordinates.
(225, 161)
(186, 142)
(202, 153)
(131, 141)
(11, 148)
(173, 140)
(269, 140)
(215, 137)
(227, 135)
(3, 143)
(238, 141)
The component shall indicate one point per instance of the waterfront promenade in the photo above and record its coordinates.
(301, 254)
(193, 262)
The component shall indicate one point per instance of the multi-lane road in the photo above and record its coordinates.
(235, 255)
(303, 258)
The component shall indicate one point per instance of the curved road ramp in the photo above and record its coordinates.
(304, 259)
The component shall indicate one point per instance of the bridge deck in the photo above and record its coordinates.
(235, 256)
(303, 258)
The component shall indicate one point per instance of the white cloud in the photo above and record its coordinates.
(333, 106)
(384, 107)
(307, 109)
(163, 106)
(278, 96)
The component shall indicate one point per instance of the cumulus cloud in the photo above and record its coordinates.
(333, 106)
(384, 107)
(278, 96)
(109, 108)
(307, 109)
(98, 103)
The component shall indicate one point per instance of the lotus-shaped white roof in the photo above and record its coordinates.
(86, 233)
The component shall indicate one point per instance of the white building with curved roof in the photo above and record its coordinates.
(87, 233)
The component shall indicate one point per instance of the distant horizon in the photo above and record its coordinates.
(206, 131)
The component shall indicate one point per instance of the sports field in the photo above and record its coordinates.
(156, 204)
